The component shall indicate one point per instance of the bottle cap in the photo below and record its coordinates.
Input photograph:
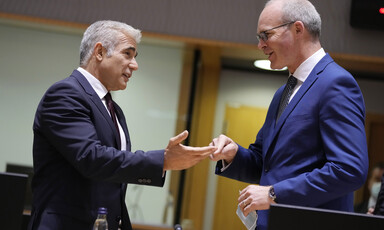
(102, 210)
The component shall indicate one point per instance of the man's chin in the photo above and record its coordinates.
(122, 86)
(276, 66)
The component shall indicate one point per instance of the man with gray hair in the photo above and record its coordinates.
(82, 151)
(311, 150)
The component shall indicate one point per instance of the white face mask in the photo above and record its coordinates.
(249, 221)
(375, 189)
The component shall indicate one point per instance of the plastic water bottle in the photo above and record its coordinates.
(101, 222)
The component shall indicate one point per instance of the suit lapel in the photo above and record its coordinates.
(309, 82)
(99, 104)
(295, 100)
(270, 121)
(121, 118)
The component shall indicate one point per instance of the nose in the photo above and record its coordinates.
(261, 45)
(133, 64)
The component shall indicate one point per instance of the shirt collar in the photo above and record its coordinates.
(99, 88)
(303, 71)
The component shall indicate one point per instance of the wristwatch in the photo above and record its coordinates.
(272, 194)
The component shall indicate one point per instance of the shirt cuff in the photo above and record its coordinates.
(225, 165)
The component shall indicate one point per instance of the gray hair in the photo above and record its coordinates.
(105, 32)
(301, 10)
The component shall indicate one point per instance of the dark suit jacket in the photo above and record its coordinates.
(316, 154)
(77, 164)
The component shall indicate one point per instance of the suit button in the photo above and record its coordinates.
(140, 181)
(149, 181)
(266, 170)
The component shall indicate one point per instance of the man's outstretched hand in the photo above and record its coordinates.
(178, 156)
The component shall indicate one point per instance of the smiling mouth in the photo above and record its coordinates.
(126, 75)
(269, 54)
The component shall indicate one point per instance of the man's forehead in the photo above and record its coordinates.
(127, 42)
(128, 39)
(269, 17)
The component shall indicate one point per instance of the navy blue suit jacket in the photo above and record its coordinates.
(316, 154)
(77, 162)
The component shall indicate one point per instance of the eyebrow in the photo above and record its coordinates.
(133, 49)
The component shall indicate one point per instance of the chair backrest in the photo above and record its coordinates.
(12, 195)
(23, 169)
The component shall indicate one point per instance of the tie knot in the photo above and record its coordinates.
(111, 109)
(108, 98)
(292, 81)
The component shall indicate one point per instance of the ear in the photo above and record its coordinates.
(98, 51)
(299, 27)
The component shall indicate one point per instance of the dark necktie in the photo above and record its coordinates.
(108, 100)
(287, 93)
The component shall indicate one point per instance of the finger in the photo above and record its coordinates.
(243, 205)
(242, 192)
(218, 154)
(247, 210)
(214, 141)
(199, 158)
(179, 138)
(215, 157)
(243, 195)
(206, 150)
(241, 199)
(194, 160)
(219, 143)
